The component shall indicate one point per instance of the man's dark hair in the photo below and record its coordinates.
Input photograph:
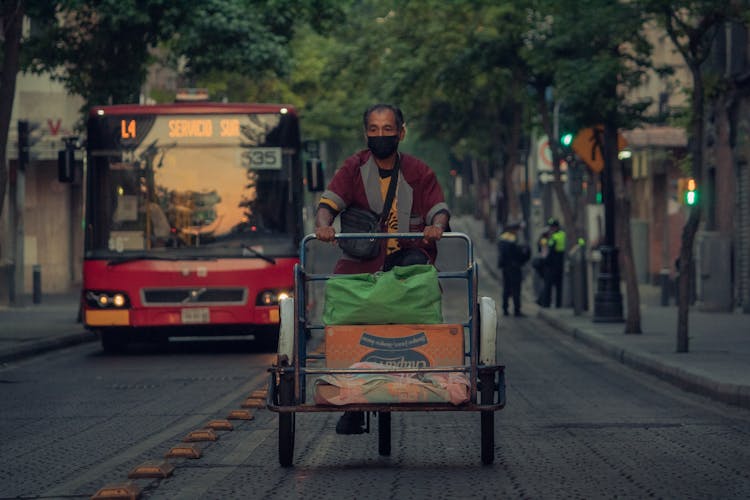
(383, 107)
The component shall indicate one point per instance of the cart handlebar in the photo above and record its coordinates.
(388, 236)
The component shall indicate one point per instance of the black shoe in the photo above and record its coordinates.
(505, 313)
(351, 422)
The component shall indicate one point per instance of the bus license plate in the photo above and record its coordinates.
(195, 315)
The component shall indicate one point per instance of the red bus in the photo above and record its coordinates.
(193, 220)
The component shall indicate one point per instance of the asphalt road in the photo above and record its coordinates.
(576, 425)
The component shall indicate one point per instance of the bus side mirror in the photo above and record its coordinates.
(66, 162)
(315, 180)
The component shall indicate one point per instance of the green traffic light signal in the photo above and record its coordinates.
(566, 139)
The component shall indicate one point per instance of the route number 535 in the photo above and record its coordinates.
(262, 158)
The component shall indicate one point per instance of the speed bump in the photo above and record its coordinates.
(201, 435)
(125, 491)
(260, 394)
(240, 415)
(220, 425)
(254, 403)
(152, 468)
(184, 451)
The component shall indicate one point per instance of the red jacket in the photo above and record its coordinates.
(418, 198)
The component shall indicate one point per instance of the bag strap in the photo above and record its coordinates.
(391, 192)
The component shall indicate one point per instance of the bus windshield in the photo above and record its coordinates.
(203, 185)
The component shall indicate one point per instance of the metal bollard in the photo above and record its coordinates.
(665, 286)
(37, 274)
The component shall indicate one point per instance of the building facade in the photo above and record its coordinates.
(41, 223)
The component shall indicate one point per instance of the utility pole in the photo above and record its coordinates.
(18, 188)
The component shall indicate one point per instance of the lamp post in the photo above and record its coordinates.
(608, 299)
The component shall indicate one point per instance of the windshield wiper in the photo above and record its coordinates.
(132, 258)
(255, 253)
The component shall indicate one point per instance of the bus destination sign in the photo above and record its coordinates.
(182, 128)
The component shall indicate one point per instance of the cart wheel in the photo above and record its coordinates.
(488, 437)
(487, 418)
(286, 439)
(384, 433)
(286, 421)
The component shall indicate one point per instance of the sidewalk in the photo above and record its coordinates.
(35, 328)
(717, 364)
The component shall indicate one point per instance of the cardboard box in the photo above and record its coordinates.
(400, 346)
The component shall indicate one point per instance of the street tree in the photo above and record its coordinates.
(693, 25)
(542, 51)
(596, 53)
(102, 50)
(12, 13)
(11, 17)
(454, 75)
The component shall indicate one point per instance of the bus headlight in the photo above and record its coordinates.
(107, 299)
(272, 297)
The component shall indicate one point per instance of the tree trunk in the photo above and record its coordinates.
(622, 228)
(684, 284)
(12, 17)
(511, 194)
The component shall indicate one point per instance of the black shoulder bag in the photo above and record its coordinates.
(357, 220)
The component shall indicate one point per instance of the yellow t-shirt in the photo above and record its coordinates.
(391, 222)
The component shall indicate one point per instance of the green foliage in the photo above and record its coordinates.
(449, 65)
(594, 53)
(104, 47)
(162, 96)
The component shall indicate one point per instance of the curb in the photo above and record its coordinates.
(733, 394)
(32, 348)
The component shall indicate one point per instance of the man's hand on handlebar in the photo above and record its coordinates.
(323, 220)
(432, 233)
(325, 233)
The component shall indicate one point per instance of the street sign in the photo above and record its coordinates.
(588, 146)
(545, 155)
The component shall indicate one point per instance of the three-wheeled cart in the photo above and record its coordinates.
(296, 365)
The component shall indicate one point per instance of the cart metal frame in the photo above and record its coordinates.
(288, 377)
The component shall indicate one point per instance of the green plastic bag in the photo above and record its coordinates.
(403, 295)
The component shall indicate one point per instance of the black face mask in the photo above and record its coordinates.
(382, 146)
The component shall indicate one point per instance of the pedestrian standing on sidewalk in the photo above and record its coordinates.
(511, 256)
(554, 265)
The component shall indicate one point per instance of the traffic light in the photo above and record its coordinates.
(27, 137)
(566, 139)
(691, 193)
(23, 143)
(687, 191)
(315, 180)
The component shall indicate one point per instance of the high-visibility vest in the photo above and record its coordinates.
(557, 241)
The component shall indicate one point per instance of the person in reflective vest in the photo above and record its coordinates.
(553, 265)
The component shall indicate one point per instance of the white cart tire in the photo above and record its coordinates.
(487, 331)
(286, 328)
